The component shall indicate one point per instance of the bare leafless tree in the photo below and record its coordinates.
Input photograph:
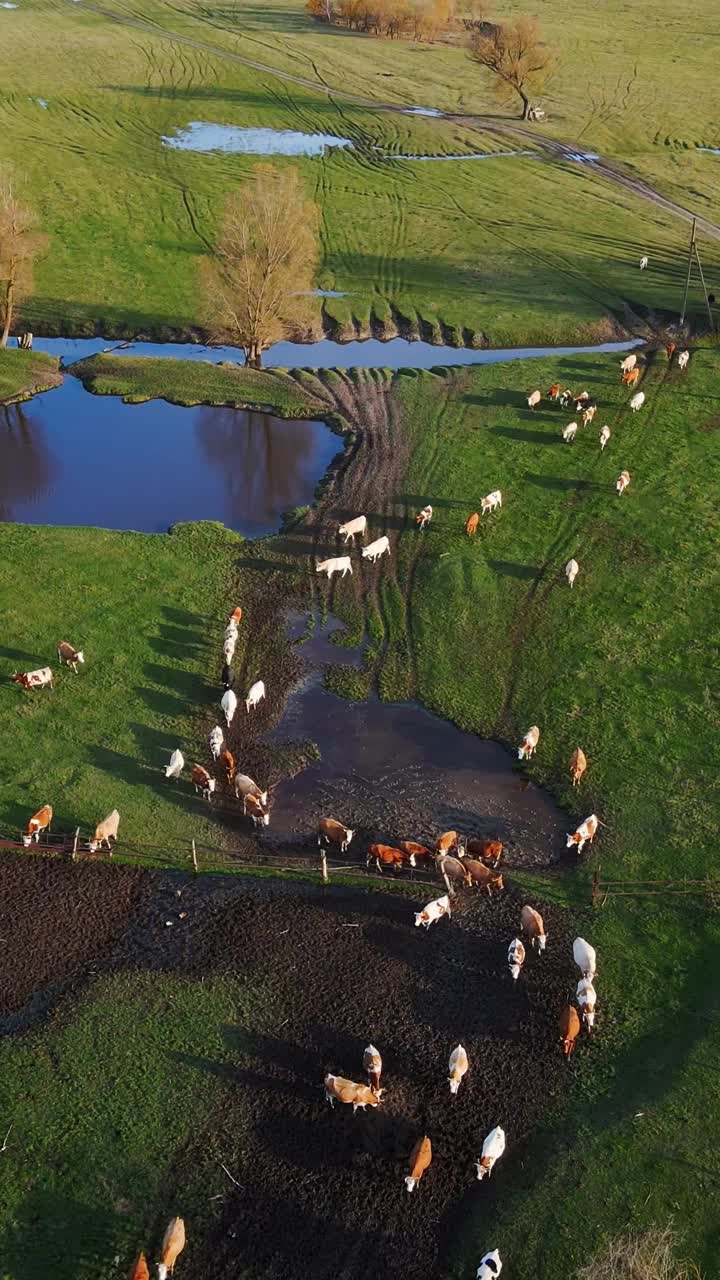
(517, 56)
(20, 243)
(257, 282)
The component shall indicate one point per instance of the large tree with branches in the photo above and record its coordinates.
(20, 242)
(258, 281)
(517, 56)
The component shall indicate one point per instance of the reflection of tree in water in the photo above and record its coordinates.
(25, 463)
(264, 461)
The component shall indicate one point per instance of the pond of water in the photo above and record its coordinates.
(71, 458)
(201, 135)
(400, 772)
(398, 353)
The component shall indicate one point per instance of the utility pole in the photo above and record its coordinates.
(707, 300)
(689, 269)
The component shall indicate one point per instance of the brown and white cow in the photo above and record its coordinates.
(533, 926)
(516, 958)
(587, 999)
(40, 821)
(529, 743)
(631, 377)
(424, 517)
(34, 679)
(585, 832)
(577, 766)
(492, 1149)
(453, 871)
(388, 856)
(68, 654)
(569, 1025)
(487, 881)
(554, 392)
(417, 850)
(457, 1066)
(372, 1066)
(332, 832)
(202, 781)
(622, 482)
(420, 1160)
(432, 912)
(447, 842)
(254, 808)
(487, 850)
(338, 1089)
(472, 523)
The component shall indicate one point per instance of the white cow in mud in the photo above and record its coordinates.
(374, 550)
(337, 564)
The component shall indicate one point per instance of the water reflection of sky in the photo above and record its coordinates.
(71, 458)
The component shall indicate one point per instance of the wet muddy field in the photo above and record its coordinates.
(321, 1192)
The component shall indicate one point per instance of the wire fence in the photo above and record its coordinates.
(678, 887)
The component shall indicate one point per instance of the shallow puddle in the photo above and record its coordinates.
(399, 772)
(200, 135)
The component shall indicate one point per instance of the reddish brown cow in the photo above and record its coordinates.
(332, 832)
(487, 850)
(471, 524)
(554, 392)
(447, 842)
(228, 761)
(483, 877)
(418, 850)
(389, 857)
(569, 1025)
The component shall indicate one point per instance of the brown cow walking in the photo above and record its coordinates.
(472, 523)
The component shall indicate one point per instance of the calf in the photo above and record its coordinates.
(256, 693)
(420, 1160)
(533, 399)
(417, 850)
(516, 958)
(628, 363)
(227, 760)
(348, 531)
(529, 743)
(40, 821)
(488, 850)
(569, 1025)
(34, 679)
(492, 1149)
(244, 786)
(622, 482)
(202, 781)
(604, 436)
(572, 569)
(644, 262)
(432, 912)
(447, 842)
(683, 360)
(332, 832)
(68, 654)
(389, 857)
(490, 1266)
(216, 741)
(570, 432)
(631, 377)
(372, 1066)
(176, 765)
(585, 832)
(490, 502)
(347, 1091)
(554, 392)
(589, 414)
(472, 523)
(585, 958)
(457, 1067)
(483, 877)
(254, 808)
(373, 550)
(587, 999)
(533, 926)
(106, 831)
(336, 564)
(424, 517)
(577, 766)
(228, 703)
(452, 869)
(637, 401)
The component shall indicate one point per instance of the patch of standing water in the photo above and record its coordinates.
(398, 353)
(469, 155)
(713, 151)
(423, 111)
(400, 771)
(202, 136)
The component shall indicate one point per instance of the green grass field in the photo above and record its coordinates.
(24, 373)
(516, 249)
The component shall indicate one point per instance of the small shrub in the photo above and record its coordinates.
(647, 1255)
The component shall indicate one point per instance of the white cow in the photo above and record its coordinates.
(216, 741)
(245, 786)
(570, 432)
(604, 436)
(637, 401)
(336, 564)
(231, 629)
(572, 569)
(622, 482)
(457, 1067)
(229, 647)
(628, 363)
(492, 501)
(533, 399)
(516, 958)
(492, 1149)
(433, 911)
(644, 262)
(255, 693)
(348, 531)
(176, 765)
(683, 359)
(585, 958)
(228, 702)
(106, 831)
(373, 550)
(586, 997)
(490, 1266)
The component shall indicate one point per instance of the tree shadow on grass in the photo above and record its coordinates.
(498, 397)
(183, 618)
(28, 661)
(528, 437)
(187, 684)
(54, 1235)
(171, 642)
(562, 483)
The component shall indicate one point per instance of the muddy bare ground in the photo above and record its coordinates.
(321, 1192)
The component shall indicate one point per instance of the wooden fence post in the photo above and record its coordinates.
(194, 858)
(323, 867)
(595, 895)
(73, 855)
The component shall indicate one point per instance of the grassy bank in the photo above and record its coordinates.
(148, 611)
(516, 249)
(487, 632)
(25, 373)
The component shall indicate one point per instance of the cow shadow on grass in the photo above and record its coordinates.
(183, 618)
(511, 569)
(162, 703)
(563, 483)
(54, 1235)
(527, 437)
(189, 685)
(171, 642)
(420, 500)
